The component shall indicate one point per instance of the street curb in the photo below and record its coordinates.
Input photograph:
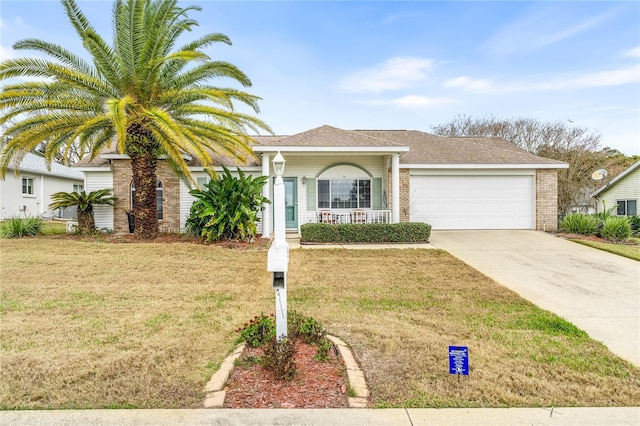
(215, 394)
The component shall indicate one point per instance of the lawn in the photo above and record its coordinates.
(88, 324)
(631, 250)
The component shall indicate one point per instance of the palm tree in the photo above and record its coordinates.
(84, 202)
(149, 97)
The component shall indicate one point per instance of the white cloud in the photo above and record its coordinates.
(396, 73)
(539, 29)
(599, 79)
(467, 83)
(632, 53)
(415, 101)
(606, 78)
(408, 101)
(5, 53)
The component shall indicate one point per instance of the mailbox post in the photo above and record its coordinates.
(278, 256)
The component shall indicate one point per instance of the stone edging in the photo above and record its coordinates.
(215, 394)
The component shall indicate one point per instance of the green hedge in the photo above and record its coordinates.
(405, 232)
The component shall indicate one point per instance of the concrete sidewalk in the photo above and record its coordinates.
(342, 417)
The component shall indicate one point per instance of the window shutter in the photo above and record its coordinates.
(376, 193)
(311, 194)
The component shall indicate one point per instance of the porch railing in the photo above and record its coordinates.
(346, 216)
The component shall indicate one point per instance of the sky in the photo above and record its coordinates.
(407, 65)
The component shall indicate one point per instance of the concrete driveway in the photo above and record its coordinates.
(597, 291)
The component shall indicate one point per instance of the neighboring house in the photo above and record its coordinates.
(26, 190)
(340, 176)
(623, 192)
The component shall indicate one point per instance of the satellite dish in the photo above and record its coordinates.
(599, 174)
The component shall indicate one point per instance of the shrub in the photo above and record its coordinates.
(18, 227)
(616, 228)
(324, 346)
(258, 330)
(405, 232)
(279, 358)
(306, 328)
(634, 221)
(227, 207)
(84, 203)
(580, 223)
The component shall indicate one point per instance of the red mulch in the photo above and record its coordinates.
(589, 238)
(316, 384)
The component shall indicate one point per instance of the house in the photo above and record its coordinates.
(344, 176)
(623, 192)
(26, 189)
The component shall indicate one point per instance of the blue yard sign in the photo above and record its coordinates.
(459, 360)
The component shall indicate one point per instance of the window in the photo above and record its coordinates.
(626, 207)
(27, 186)
(159, 195)
(202, 181)
(78, 188)
(344, 193)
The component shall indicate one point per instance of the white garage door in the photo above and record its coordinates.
(473, 202)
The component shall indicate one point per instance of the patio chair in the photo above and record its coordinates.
(359, 216)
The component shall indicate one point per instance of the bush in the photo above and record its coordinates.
(17, 227)
(306, 328)
(580, 223)
(278, 355)
(279, 358)
(405, 232)
(227, 207)
(616, 228)
(258, 330)
(634, 221)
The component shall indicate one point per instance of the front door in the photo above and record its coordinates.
(290, 202)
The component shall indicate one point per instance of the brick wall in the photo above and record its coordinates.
(547, 200)
(171, 196)
(405, 194)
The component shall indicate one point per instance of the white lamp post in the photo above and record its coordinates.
(278, 256)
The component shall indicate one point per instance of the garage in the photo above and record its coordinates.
(463, 201)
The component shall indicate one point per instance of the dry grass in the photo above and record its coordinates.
(630, 250)
(93, 324)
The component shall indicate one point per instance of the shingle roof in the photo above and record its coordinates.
(426, 148)
(328, 136)
(36, 164)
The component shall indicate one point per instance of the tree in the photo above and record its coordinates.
(84, 203)
(579, 147)
(141, 93)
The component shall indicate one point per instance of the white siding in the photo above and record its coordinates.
(628, 188)
(15, 204)
(93, 182)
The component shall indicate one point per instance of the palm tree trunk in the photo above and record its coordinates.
(143, 166)
(86, 221)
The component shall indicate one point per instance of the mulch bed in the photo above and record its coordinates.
(316, 384)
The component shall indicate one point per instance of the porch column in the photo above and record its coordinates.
(266, 219)
(395, 188)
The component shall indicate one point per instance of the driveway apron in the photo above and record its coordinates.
(597, 291)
